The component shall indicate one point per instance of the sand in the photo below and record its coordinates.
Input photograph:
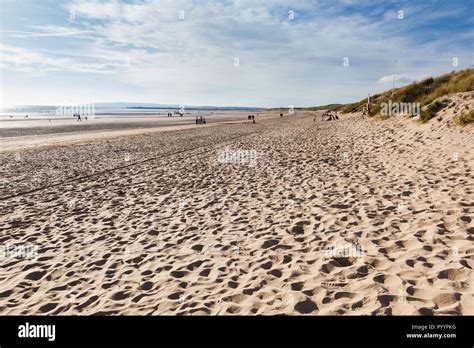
(353, 217)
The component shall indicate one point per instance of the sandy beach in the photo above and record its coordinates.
(354, 217)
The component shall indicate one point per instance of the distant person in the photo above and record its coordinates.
(366, 110)
(200, 119)
(197, 120)
(253, 119)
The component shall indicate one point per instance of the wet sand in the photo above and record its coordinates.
(20, 134)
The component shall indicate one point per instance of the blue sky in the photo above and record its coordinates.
(225, 52)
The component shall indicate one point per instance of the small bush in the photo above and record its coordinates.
(431, 110)
(465, 118)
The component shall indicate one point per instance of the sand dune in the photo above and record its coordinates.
(349, 217)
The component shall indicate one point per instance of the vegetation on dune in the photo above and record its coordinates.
(423, 92)
(431, 110)
(465, 118)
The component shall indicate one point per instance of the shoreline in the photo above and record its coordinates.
(40, 133)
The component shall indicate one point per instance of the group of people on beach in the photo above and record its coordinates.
(200, 120)
(329, 116)
(181, 114)
(251, 117)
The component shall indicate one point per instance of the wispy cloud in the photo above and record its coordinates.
(402, 79)
(50, 30)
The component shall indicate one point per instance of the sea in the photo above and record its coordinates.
(91, 110)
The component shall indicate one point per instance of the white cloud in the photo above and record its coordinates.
(401, 78)
(26, 60)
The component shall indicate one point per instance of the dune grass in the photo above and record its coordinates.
(431, 110)
(423, 92)
(465, 118)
